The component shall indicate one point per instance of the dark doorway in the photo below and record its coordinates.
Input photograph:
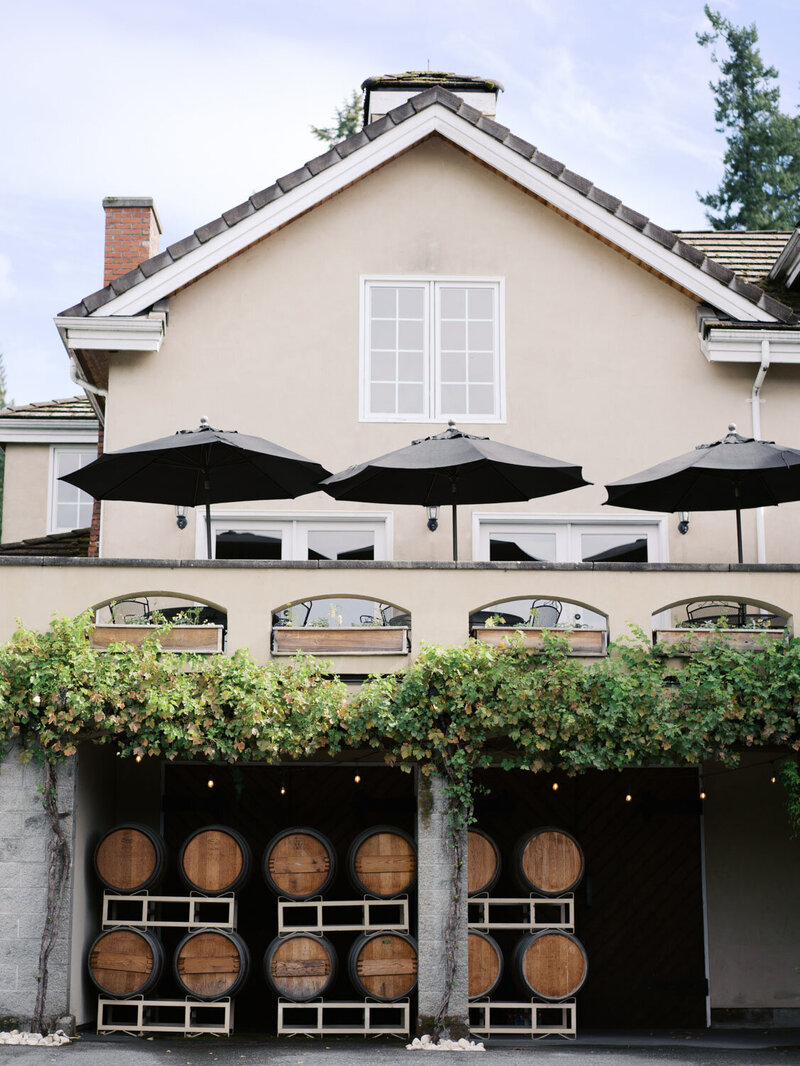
(639, 908)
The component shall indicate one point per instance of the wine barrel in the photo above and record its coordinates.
(548, 861)
(299, 863)
(210, 963)
(126, 962)
(214, 860)
(130, 858)
(382, 861)
(483, 862)
(300, 966)
(551, 965)
(485, 964)
(383, 965)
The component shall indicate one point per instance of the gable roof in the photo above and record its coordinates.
(75, 408)
(436, 110)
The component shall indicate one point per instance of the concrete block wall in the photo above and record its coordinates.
(24, 834)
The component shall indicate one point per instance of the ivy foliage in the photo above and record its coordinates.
(453, 711)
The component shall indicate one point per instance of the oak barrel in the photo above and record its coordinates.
(382, 861)
(483, 862)
(383, 965)
(210, 963)
(485, 964)
(551, 965)
(299, 863)
(548, 861)
(300, 966)
(130, 858)
(126, 962)
(214, 860)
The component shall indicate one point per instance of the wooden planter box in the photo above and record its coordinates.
(204, 640)
(581, 641)
(685, 641)
(363, 640)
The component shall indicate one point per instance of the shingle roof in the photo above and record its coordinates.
(751, 253)
(431, 97)
(72, 545)
(73, 407)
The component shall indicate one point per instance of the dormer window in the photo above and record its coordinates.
(432, 350)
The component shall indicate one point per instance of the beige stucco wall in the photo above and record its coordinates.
(25, 491)
(752, 873)
(603, 365)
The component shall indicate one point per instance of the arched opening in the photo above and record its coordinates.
(347, 625)
(197, 624)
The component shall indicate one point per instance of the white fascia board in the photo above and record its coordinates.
(435, 119)
(112, 333)
(787, 266)
(47, 431)
(723, 345)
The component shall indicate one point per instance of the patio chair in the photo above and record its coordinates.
(129, 610)
(545, 613)
(700, 612)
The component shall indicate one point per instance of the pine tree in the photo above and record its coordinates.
(347, 119)
(760, 188)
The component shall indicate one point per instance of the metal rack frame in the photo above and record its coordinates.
(483, 913)
(147, 920)
(486, 1026)
(191, 1026)
(370, 907)
(317, 1025)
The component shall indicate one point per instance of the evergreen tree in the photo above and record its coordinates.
(760, 188)
(347, 119)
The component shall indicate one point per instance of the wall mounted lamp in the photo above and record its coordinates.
(180, 516)
(433, 518)
(683, 525)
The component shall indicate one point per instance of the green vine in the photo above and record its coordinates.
(453, 712)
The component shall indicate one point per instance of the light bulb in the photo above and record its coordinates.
(555, 786)
(210, 782)
(357, 779)
(773, 780)
(283, 790)
(702, 795)
(138, 758)
(628, 798)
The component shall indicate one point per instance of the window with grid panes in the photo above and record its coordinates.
(70, 507)
(432, 351)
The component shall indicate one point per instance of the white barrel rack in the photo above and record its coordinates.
(191, 1017)
(528, 912)
(324, 1018)
(219, 912)
(366, 915)
(534, 1018)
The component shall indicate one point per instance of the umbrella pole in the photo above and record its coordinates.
(455, 534)
(739, 534)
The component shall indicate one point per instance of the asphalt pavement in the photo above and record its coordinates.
(709, 1048)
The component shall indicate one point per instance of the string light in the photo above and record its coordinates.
(555, 786)
(210, 782)
(357, 779)
(138, 758)
(628, 797)
(702, 795)
(283, 789)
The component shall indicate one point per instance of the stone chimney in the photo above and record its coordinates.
(385, 91)
(132, 232)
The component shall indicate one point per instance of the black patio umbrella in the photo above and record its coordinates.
(454, 467)
(198, 467)
(731, 474)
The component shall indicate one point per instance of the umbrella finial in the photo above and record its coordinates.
(451, 422)
(731, 427)
(203, 420)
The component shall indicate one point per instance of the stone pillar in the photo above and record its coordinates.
(434, 894)
(24, 835)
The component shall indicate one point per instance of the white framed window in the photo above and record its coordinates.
(69, 507)
(256, 535)
(569, 538)
(432, 349)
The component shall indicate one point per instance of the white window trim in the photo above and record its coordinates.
(382, 522)
(431, 346)
(52, 501)
(482, 521)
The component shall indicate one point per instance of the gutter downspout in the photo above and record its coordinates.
(756, 401)
(76, 379)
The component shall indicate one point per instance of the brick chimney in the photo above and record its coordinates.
(385, 91)
(132, 232)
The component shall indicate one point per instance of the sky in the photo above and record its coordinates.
(199, 103)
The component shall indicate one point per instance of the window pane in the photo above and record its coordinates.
(383, 301)
(453, 302)
(383, 366)
(341, 544)
(454, 399)
(454, 366)
(522, 547)
(481, 303)
(73, 508)
(409, 334)
(613, 548)
(410, 366)
(481, 336)
(481, 366)
(411, 301)
(384, 334)
(235, 544)
(454, 335)
(409, 399)
(382, 399)
(481, 399)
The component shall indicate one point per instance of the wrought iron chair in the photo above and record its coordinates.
(545, 613)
